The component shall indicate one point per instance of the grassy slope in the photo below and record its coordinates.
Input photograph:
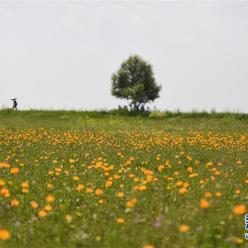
(91, 120)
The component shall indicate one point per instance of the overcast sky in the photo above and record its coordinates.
(61, 54)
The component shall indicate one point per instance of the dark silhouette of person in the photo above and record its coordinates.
(14, 103)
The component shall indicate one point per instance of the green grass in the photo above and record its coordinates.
(206, 151)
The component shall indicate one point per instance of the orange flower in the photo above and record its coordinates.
(5, 192)
(120, 194)
(184, 228)
(4, 234)
(2, 182)
(14, 203)
(204, 203)
(50, 198)
(208, 194)
(89, 190)
(182, 190)
(42, 214)
(14, 170)
(48, 208)
(79, 187)
(239, 209)
(34, 204)
(108, 183)
(218, 194)
(131, 203)
(99, 192)
(148, 246)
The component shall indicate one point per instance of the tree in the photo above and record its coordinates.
(135, 82)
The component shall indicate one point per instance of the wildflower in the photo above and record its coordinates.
(182, 190)
(204, 203)
(120, 220)
(2, 182)
(14, 170)
(89, 190)
(48, 208)
(4, 234)
(68, 218)
(79, 187)
(131, 203)
(5, 192)
(34, 204)
(148, 246)
(120, 194)
(239, 209)
(42, 214)
(99, 192)
(50, 186)
(218, 194)
(184, 228)
(50, 198)
(14, 203)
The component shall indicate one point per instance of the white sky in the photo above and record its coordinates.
(62, 54)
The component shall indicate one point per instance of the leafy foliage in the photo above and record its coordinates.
(135, 81)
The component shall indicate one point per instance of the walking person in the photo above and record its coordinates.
(14, 103)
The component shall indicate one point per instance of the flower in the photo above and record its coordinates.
(4, 234)
(239, 209)
(204, 203)
(120, 194)
(120, 220)
(182, 190)
(14, 203)
(184, 228)
(34, 204)
(131, 203)
(14, 170)
(50, 198)
(99, 192)
(42, 214)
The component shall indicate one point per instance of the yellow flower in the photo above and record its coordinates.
(120, 220)
(4, 234)
(68, 218)
(204, 203)
(184, 228)
(14, 170)
(239, 209)
(50, 198)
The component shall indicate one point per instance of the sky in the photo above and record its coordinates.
(62, 54)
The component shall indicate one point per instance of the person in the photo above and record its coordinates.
(14, 103)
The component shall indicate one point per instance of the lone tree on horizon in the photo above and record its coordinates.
(135, 82)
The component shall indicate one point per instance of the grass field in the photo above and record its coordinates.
(98, 179)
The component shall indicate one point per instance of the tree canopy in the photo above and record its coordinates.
(135, 82)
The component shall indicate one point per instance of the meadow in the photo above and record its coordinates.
(103, 179)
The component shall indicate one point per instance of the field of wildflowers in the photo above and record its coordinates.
(131, 183)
